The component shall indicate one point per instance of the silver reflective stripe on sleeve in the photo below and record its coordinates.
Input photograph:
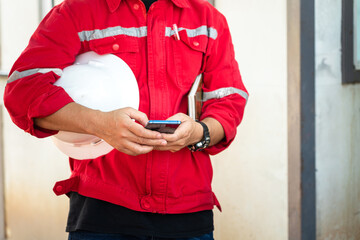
(203, 30)
(224, 92)
(111, 32)
(17, 75)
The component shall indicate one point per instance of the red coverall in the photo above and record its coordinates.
(165, 68)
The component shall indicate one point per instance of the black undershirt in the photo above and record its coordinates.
(148, 3)
(93, 215)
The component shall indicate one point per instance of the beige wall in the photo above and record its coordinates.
(31, 165)
(250, 178)
(2, 195)
(31, 168)
(337, 133)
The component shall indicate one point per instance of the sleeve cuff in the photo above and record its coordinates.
(229, 131)
(44, 106)
(229, 112)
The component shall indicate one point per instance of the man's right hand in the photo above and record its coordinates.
(120, 131)
(117, 128)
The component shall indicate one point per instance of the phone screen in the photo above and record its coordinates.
(163, 126)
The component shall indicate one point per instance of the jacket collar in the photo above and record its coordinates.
(181, 3)
(114, 4)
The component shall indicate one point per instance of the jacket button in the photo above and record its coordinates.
(196, 44)
(136, 6)
(145, 204)
(59, 188)
(115, 47)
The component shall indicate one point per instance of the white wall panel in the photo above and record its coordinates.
(337, 133)
(19, 20)
(250, 178)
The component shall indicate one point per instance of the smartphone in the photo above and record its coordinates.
(163, 126)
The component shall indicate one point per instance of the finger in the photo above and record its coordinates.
(171, 137)
(147, 141)
(168, 148)
(179, 116)
(138, 116)
(140, 131)
(181, 132)
(135, 149)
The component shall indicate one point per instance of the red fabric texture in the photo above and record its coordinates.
(165, 68)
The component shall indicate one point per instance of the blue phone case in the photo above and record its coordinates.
(163, 126)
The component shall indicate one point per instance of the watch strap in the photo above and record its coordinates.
(204, 142)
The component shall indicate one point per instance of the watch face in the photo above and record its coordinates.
(200, 145)
(207, 140)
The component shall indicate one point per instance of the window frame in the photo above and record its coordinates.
(349, 72)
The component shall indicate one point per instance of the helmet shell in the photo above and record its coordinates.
(100, 82)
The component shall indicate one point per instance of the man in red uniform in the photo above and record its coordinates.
(151, 186)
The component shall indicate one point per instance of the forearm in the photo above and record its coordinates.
(72, 117)
(215, 129)
(117, 127)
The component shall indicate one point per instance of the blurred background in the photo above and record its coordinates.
(293, 171)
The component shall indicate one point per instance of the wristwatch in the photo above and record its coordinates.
(204, 142)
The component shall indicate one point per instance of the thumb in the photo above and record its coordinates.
(137, 115)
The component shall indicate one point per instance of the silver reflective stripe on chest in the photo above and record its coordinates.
(224, 92)
(203, 30)
(111, 32)
(142, 32)
(17, 75)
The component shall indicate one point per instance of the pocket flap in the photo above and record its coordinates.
(117, 44)
(198, 43)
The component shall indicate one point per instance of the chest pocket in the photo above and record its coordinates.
(125, 47)
(189, 55)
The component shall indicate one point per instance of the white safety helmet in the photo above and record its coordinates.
(100, 82)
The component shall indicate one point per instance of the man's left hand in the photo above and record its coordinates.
(188, 132)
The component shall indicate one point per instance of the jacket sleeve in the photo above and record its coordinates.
(225, 96)
(30, 92)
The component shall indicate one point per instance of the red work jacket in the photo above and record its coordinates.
(164, 66)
